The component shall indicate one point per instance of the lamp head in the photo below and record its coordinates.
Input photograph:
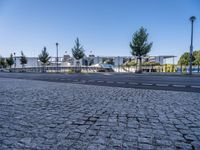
(192, 19)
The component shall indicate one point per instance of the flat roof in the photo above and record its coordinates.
(164, 56)
(167, 56)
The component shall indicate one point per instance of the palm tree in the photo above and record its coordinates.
(78, 52)
(197, 58)
(23, 59)
(10, 60)
(44, 58)
(140, 46)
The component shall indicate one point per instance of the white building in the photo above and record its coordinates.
(161, 59)
(119, 60)
(66, 60)
(31, 62)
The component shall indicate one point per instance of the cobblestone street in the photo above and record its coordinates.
(37, 115)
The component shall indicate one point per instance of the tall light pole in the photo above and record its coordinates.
(57, 57)
(14, 60)
(118, 63)
(192, 19)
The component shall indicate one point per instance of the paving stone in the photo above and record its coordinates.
(26, 141)
(196, 145)
(181, 145)
(45, 115)
(146, 146)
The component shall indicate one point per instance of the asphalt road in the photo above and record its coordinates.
(143, 81)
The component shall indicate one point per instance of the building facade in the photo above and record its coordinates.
(90, 60)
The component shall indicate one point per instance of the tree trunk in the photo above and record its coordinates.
(23, 68)
(181, 69)
(78, 67)
(198, 68)
(140, 65)
(10, 68)
(43, 69)
(136, 64)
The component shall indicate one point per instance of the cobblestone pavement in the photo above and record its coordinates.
(36, 115)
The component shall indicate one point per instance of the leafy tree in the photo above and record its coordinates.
(23, 59)
(196, 55)
(151, 64)
(184, 60)
(140, 46)
(10, 60)
(44, 58)
(168, 68)
(78, 51)
(2, 62)
(130, 64)
(91, 61)
(108, 61)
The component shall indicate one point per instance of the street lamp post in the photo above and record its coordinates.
(192, 19)
(57, 57)
(118, 63)
(14, 60)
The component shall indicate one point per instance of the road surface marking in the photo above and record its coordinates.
(62, 79)
(109, 82)
(147, 84)
(91, 81)
(46, 78)
(178, 85)
(193, 86)
(121, 82)
(162, 85)
(100, 81)
(133, 83)
(107, 74)
(75, 80)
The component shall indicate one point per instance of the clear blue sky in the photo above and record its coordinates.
(104, 27)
